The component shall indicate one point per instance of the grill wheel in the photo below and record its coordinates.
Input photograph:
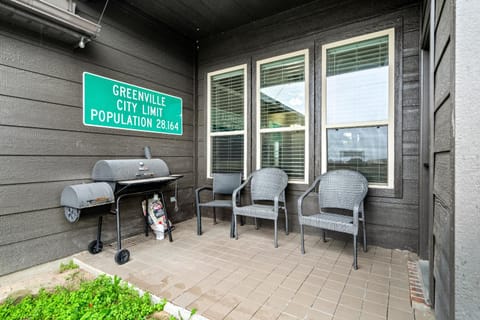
(122, 256)
(92, 247)
(72, 214)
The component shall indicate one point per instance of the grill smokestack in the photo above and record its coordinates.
(148, 153)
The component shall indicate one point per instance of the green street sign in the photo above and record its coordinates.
(119, 105)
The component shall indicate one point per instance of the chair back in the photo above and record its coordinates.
(340, 189)
(225, 183)
(267, 183)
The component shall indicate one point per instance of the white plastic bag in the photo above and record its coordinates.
(154, 208)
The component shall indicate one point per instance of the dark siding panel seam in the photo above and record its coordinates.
(147, 61)
(133, 135)
(441, 102)
(80, 82)
(442, 53)
(88, 61)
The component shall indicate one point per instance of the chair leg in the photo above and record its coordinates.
(232, 227)
(256, 224)
(236, 226)
(286, 220)
(199, 221)
(275, 241)
(324, 235)
(364, 233)
(241, 217)
(355, 265)
(302, 240)
(214, 216)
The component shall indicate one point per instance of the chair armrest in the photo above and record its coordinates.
(275, 202)
(302, 197)
(358, 204)
(198, 190)
(237, 191)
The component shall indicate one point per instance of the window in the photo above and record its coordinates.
(226, 121)
(358, 106)
(282, 114)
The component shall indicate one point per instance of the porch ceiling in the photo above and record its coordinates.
(199, 19)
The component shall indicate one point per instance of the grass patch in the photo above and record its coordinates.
(70, 265)
(101, 298)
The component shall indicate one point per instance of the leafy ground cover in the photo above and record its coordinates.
(79, 299)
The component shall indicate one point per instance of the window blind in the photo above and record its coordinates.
(357, 92)
(227, 122)
(227, 154)
(367, 54)
(282, 71)
(357, 82)
(227, 102)
(282, 90)
(285, 150)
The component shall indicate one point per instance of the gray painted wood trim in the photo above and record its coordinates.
(378, 25)
(443, 150)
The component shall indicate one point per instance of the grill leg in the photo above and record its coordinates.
(99, 233)
(146, 219)
(119, 234)
(96, 245)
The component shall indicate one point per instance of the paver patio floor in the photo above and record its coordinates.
(250, 279)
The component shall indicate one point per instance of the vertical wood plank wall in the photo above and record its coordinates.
(392, 218)
(44, 145)
(443, 153)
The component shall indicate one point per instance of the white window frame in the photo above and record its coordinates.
(211, 134)
(391, 108)
(305, 53)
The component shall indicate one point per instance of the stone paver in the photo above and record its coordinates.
(250, 279)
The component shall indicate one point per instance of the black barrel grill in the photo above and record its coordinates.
(115, 180)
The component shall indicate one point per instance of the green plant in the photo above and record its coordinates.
(194, 311)
(102, 298)
(68, 266)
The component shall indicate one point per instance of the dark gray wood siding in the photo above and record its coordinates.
(44, 146)
(392, 215)
(443, 155)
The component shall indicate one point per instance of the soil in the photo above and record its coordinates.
(29, 282)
